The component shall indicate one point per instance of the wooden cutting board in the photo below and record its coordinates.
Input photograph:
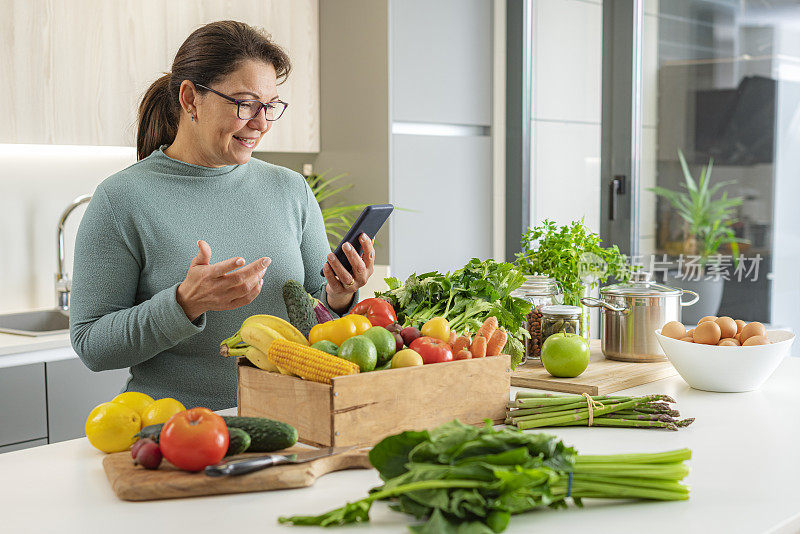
(600, 378)
(134, 483)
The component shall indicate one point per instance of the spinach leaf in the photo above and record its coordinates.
(390, 455)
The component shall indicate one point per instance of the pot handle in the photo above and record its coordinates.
(592, 302)
(695, 299)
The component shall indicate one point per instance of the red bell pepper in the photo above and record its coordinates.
(378, 311)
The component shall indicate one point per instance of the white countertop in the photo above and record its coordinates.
(16, 344)
(745, 467)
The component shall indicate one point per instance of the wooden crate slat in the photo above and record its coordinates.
(417, 398)
(303, 404)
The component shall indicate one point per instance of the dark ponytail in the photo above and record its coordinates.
(158, 121)
(210, 53)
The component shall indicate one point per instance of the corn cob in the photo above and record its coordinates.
(307, 362)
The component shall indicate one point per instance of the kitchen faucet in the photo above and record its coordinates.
(63, 281)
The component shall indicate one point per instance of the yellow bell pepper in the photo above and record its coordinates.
(361, 322)
(336, 331)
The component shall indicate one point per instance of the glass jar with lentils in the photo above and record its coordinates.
(540, 291)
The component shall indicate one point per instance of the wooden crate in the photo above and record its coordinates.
(362, 409)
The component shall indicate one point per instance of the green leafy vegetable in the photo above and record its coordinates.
(556, 251)
(464, 479)
(466, 298)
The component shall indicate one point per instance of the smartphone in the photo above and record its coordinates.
(369, 222)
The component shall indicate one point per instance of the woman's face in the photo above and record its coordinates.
(224, 137)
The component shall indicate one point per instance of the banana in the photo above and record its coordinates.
(260, 360)
(260, 336)
(283, 327)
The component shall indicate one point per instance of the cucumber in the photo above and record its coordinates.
(238, 441)
(299, 306)
(266, 435)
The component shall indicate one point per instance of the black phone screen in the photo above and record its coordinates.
(368, 222)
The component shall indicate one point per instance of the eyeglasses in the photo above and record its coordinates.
(249, 109)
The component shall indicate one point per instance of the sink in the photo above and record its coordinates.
(35, 323)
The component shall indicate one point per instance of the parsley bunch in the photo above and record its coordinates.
(556, 251)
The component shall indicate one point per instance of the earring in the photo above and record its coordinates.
(193, 119)
(189, 111)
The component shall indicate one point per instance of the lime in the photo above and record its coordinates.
(326, 346)
(384, 343)
(361, 351)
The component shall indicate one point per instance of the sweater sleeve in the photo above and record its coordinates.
(107, 330)
(315, 249)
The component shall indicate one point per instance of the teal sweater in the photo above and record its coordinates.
(133, 249)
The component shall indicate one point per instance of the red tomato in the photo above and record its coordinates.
(193, 439)
(378, 311)
(432, 350)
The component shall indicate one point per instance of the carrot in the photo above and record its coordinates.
(463, 342)
(463, 354)
(497, 342)
(488, 328)
(478, 348)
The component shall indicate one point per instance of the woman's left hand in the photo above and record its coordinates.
(341, 284)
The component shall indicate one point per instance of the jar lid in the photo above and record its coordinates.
(640, 285)
(561, 310)
(538, 284)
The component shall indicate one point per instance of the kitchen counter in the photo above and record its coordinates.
(16, 344)
(744, 465)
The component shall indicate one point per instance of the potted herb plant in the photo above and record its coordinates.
(708, 227)
(572, 255)
(337, 218)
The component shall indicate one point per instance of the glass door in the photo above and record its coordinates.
(703, 99)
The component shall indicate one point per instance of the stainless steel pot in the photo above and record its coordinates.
(630, 314)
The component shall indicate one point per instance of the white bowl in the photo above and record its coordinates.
(727, 369)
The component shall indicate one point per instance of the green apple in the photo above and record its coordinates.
(565, 355)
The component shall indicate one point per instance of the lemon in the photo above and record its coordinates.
(160, 411)
(111, 427)
(134, 399)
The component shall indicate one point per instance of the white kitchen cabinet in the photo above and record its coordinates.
(23, 413)
(74, 72)
(72, 391)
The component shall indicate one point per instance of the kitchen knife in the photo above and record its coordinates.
(256, 463)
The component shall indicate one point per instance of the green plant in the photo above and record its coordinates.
(466, 298)
(461, 479)
(562, 252)
(338, 219)
(709, 221)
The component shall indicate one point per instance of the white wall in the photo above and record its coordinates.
(36, 183)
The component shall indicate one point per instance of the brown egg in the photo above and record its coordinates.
(739, 325)
(690, 333)
(690, 339)
(707, 318)
(707, 333)
(752, 329)
(738, 337)
(728, 342)
(673, 329)
(756, 340)
(727, 326)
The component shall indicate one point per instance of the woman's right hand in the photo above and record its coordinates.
(214, 287)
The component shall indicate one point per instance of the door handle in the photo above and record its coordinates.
(616, 187)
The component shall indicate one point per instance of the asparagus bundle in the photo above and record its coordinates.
(535, 410)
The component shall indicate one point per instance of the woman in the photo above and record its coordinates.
(146, 294)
